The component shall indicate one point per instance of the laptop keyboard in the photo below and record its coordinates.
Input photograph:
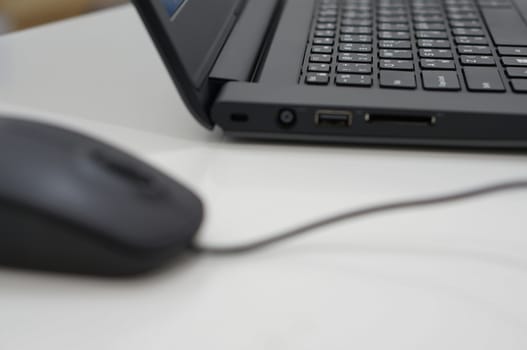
(443, 45)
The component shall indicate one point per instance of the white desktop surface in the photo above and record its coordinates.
(451, 277)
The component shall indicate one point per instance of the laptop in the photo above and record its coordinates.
(397, 72)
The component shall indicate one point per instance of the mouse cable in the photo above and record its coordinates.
(376, 209)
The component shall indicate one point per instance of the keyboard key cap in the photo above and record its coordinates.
(435, 53)
(470, 40)
(322, 49)
(394, 35)
(514, 33)
(319, 67)
(353, 80)
(389, 19)
(323, 41)
(477, 60)
(432, 34)
(512, 51)
(357, 22)
(320, 58)
(438, 64)
(395, 44)
(397, 79)
(317, 78)
(429, 19)
(514, 72)
(355, 58)
(473, 50)
(514, 61)
(429, 26)
(325, 33)
(433, 44)
(356, 68)
(396, 64)
(519, 85)
(440, 80)
(394, 27)
(356, 30)
(468, 32)
(365, 48)
(365, 39)
(465, 24)
(326, 26)
(396, 54)
(463, 16)
(483, 79)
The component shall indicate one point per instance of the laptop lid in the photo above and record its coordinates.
(189, 35)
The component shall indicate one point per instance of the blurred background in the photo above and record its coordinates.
(22, 14)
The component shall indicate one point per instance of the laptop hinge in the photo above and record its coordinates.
(239, 57)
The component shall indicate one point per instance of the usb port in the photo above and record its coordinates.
(333, 118)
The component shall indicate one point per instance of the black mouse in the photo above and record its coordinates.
(70, 203)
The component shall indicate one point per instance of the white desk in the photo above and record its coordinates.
(454, 277)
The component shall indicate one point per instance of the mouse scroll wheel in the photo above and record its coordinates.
(123, 168)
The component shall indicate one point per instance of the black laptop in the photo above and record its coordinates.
(408, 72)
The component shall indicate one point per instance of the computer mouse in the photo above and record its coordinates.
(70, 203)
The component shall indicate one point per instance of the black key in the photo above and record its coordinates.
(396, 54)
(462, 8)
(512, 51)
(439, 80)
(471, 40)
(432, 34)
(474, 50)
(323, 41)
(395, 44)
(435, 53)
(325, 33)
(429, 26)
(356, 30)
(506, 26)
(394, 35)
(357, 68)
(429, 19)
(396, 64)
(477, 60)
(322, 49)
(319, 67)
(483, 79)
(326, 26)
(394, 27)
(495, 4)
(356, 15)
(433, 44)
(391, 12)
(397, 79)
(355, 57)
(317, 78)
(357, 22)
(365, 48)
(514, 72)
(463, 16)
(519, 85)
(320, 58)
(514, 61)
(366, 39)
(353, 80)
(438, 64)
(465, 24)
(388, 19)
(468, 32)
(327, 20)
(427, 12)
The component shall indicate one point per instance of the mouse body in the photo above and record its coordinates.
(70, 203)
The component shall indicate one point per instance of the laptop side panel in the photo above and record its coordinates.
(189, 35)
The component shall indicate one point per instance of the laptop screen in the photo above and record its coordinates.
(172, 6)
(197, 30)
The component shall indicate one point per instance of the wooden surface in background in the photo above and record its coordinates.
(26, 13)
